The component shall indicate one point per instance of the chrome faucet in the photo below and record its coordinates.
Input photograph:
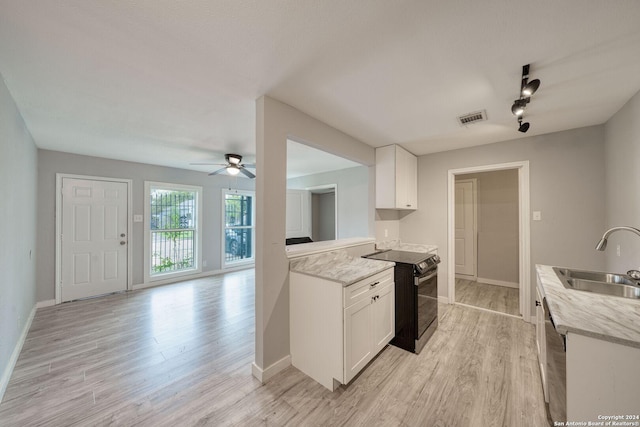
(602, 244)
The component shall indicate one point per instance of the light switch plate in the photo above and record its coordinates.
(137, 218)
(537, 216)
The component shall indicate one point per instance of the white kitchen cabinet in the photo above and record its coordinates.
(396, 178)
(336, 330)
(541, 340)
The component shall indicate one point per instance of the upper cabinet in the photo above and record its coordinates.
(396, 178)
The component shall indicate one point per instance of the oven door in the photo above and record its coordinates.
(427, 306)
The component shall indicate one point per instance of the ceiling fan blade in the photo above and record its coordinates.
(247, 173)
(208, 164)
(249, 165)
(218, 171)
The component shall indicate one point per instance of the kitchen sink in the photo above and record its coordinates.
(619, 285)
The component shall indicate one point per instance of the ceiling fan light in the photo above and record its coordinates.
(530, 88)
(233, 170)
(234, 159)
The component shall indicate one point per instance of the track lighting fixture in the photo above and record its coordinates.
(524, 127)
(518, 107)
(527, 88)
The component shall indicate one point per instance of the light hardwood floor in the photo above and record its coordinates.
(180, 355)
(491, 297)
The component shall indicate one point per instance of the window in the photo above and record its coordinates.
(172, 237)
(239, 227)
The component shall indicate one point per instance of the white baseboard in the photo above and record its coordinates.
(264, 375)
(443, 300)
(498, 283)
(466, 277)
(8, 370)
(191, 277)
(46, 303)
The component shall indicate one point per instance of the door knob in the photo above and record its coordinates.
(122, 235)
(123, 242)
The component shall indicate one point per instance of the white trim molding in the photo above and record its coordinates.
(46, 303)
(191, 277)
(524, 228)
(8, 370)
(264, 375)
(498, 283)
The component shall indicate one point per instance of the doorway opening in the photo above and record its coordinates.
(486, 244)
(324, 212)
(456, 247)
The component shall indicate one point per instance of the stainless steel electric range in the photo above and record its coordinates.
(416, 296)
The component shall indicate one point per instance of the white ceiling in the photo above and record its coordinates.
(170, 83)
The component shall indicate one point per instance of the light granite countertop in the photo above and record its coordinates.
(338, 266)
(609, 318)
(408, 247)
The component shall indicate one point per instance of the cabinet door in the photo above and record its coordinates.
(412, 182)
(406, 179)
(541, 342)
(383, 318)
(357, 338)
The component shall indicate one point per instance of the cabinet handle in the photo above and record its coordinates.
(408, 206)
(373, 285)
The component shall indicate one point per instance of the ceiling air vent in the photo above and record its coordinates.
(471, 118)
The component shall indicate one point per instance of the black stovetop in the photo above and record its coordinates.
(402, 257)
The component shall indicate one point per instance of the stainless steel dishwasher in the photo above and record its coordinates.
(556, 369)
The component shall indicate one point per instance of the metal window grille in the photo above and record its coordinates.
(173, 230)
(238, 232)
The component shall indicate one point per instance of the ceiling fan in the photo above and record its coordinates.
(234, 166)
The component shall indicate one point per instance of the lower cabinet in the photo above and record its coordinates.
(541, 341)
(337, 330)
(368, 328)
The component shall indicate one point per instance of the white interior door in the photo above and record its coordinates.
(465, 244)
(94, 238)
(298, 220)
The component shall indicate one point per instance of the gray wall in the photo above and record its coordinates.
(497, 210)
(566, 184)
(353, 197)
(275, 123)
(18, 178)
(323, 216)
(52, 162)
(622, 157)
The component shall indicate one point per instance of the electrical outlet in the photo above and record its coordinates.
(386, 232)
(618, 250)
(537, 216)
(204, 263)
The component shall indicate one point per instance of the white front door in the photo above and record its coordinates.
(94, 238)
(465, 244)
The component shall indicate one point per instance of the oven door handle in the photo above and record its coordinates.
(422, 279)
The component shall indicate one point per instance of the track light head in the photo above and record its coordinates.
(518, 107)
(530, 88)
(524, 127)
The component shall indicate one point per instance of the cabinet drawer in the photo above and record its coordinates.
(367, 287)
